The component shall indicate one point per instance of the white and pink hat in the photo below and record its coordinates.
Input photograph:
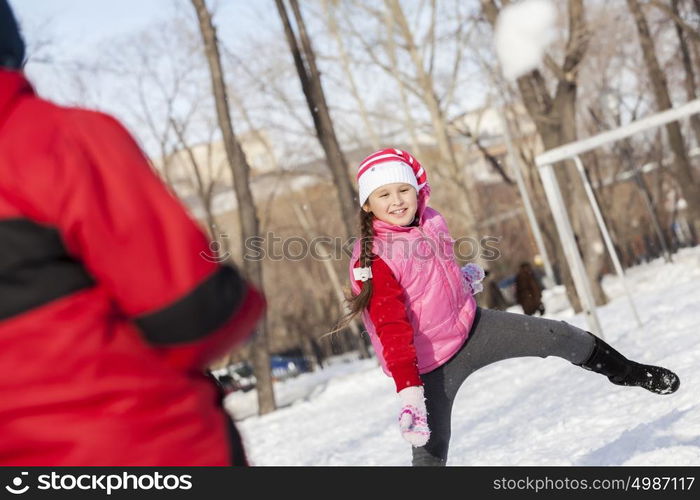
(388, 166)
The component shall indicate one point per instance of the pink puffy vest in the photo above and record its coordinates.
(439, 303)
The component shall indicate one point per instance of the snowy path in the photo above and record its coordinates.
(527, 411)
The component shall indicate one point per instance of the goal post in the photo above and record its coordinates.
(546, 163)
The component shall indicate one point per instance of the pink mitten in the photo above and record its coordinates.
(473, 274)
(413, 419)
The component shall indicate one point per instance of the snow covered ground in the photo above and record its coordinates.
(526, 411)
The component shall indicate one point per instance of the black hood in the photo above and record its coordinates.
(11, 43)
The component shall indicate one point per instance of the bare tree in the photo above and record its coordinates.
(155, 84)
(310, 78)
(162, 89)
(204, 184)
(672, 12)
(332, 274)
(307, 223)
(397, 33)
(555, 119)
(409, 121)
(681, 165)
(690, 85)
(248, 218)
(347, 71)
(425, 81)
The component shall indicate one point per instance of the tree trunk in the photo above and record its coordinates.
(246, 207)
(690, 89)
(309, 76)
(540, 108)
(333, 277)
(579, 207)
(680, 165)
(543, 214)
(555, 120)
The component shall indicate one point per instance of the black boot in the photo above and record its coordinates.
(622, 371)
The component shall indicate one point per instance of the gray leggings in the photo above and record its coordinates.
(495, 336)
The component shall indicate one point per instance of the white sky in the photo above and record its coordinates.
(87, 21)
(78, 26)
(62, 33)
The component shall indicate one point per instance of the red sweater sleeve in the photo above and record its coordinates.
(387, 310)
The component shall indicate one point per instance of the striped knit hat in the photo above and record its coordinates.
(388, 166)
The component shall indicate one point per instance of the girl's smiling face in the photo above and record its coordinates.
(393, 203)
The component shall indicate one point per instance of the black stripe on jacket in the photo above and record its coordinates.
(35, 267)
(198, 313)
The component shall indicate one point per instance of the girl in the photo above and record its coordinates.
(419, 311)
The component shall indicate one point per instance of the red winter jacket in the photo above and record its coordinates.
(109, 311)
(387, 309)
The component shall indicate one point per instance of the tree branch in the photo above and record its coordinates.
(694, 33)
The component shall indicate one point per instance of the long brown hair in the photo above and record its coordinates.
(358, 303)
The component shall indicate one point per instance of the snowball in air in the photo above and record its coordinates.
(523, 31)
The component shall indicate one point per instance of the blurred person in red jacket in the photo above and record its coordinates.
(110, 311)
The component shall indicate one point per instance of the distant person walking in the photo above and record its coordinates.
(109, 314)
(528, 290)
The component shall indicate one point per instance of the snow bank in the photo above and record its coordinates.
(526, 411)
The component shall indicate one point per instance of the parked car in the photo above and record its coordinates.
(284, 367)
(240, 377)
(236, 377)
